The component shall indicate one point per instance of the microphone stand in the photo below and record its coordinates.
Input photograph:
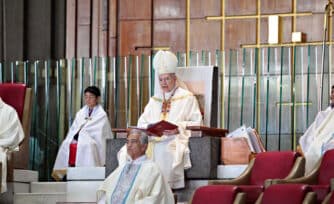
(328, 13)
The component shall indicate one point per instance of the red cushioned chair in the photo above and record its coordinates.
(265, 167)
(19, 97)
(218, 194)
(287, 194)
(319, 178)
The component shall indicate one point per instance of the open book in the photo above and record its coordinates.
(158, 128)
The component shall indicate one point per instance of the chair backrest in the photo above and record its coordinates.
(202, 81)
(215, 194)
(14, 95)
(285, 193)
(20, 97)
(326, 170)
(272, 165)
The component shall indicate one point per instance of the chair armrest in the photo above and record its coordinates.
(298, 169)
(310, 198)
(240, 198)
(259, 199)
(311, 178)
(243, 179)
(207, 131)
(327, 198)
(332, 184)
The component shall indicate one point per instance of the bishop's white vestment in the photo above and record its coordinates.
(139, 181)
(11, 134)
(318, 138)
(91, 150)
(171, 153)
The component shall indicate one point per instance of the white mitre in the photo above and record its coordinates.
(164, 62)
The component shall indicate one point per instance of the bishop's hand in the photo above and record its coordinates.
(171, 132)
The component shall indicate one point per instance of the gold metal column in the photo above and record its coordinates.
(188, 33)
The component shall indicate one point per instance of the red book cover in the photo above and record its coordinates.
(158, 128)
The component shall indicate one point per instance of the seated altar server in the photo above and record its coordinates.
(85, 143)
(175, 105)
(11, 134)
(319, 137)
(138, 180)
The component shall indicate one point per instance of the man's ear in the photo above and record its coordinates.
(145, 146)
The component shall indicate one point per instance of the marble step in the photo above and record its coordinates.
(230, 171)
(25, 176)
(82, 191)
(85, 173)
(48, 187)
(39, 198)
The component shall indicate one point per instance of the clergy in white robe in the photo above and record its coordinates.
(89, 132)
(138, 180)
(176, 105)
(319, 137)
(11, 134)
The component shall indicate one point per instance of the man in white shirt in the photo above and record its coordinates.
(175, 105)
(319, 137)
(11, 134)
(138, 180)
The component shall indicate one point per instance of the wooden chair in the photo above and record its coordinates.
(20, 97)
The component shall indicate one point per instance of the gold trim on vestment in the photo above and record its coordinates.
(173, 99)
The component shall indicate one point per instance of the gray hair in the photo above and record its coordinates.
(143, 138)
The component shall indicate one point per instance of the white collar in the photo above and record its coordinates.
(139, 160)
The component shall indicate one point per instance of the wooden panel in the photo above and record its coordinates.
(240, 32)
(276, 6)
(112, 34)
(38, 38)
(134, 34)
(70, 28)
(169, 9)
(205, 35)
(311, 5)
(1, 33)
(112, 46)
(103, 29)
(83, 28)
(240, 7)
(13, 30)
(201, 9)
(95, 27)
(312, 26)
(58, 30)
(138, 9)
(170, 33)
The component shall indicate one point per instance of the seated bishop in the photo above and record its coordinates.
(176, 105)
(11, 134)
(319, 137)
(138, 180)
